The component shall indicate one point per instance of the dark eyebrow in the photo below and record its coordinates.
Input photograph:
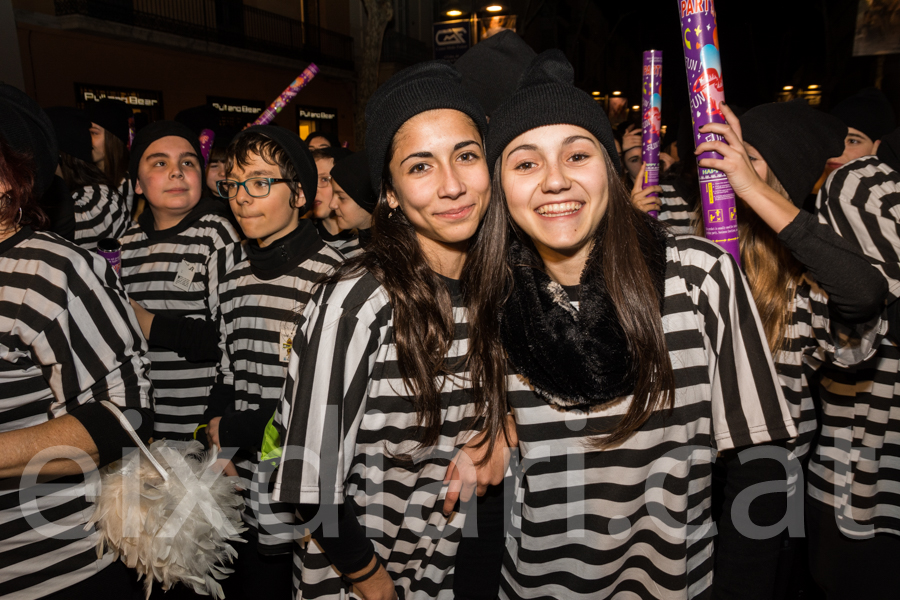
(423, 154)
(461, 145)
(522, 147)
(575, 138)
(164, 155)
(857, 135)
(257, 173)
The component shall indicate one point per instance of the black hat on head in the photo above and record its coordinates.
(492, 68)
(73, 131)
(299, 155)
(426, 86)
(547, 96)
(869, 111)
(352, 174)
(156, 131)
(332, 139)
(111, 115)
(889, 150)
(28, 130)
(796, 141)
(198, 118)
(336, 153)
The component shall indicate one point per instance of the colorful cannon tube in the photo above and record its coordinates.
(207, 139)
(651, 109)
(287, 95)
(700, 40)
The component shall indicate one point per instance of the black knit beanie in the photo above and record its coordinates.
(332, 139)
(352, 174)
(889, 150)
(111, 115)
(869, 111)
(491, 69)
(156, 131)
(298, 153)
(547, 96)
(796, 141)
(28, 130)
(426, 86)
(73, 131)
(335, 153)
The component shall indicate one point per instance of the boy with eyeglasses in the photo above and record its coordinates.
(270, 183)
(172, 260)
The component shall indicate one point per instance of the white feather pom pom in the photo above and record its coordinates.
(173, 527)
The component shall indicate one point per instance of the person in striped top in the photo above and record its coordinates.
(112, 126)
(353, 201)
(853, 506)
(68, 341)
(99, 211)
(321, 212)
(269, 175)
(637, 357)
(396, 364)
(172, 261)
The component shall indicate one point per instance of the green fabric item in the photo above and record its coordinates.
(271, 444)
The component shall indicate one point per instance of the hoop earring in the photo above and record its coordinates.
(19, 220)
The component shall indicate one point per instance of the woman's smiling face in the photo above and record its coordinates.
(556, 186)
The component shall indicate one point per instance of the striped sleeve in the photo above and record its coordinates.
(99, 213)
(861, 202)
(675, 211)
(327, 380)
(748, 406)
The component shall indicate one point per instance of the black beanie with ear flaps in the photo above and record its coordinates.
(27, 129)
(157, 131)
(352, 174)
(796, 141)
(298, 153)
(73, 131)
(869, 111)
(547, 95)
(426, 86)
(491, 69)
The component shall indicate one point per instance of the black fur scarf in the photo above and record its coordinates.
(575, 359)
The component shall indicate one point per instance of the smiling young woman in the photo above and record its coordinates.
(636, 355)
(397, 363)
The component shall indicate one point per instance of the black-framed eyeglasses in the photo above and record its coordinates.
(257, 187)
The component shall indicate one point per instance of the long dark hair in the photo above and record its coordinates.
(115, 159)
(79, 174)
(423, 315)
(19, 206)
(622, 233)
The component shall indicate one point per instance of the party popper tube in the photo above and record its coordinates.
(207, 138)
(651, 109)
(700, 40)
(287, 95)
(111, 250)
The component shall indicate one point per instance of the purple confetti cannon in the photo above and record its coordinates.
(287, 95)
(207, 139)
(700, 38)
(651, 108)
(111, 250)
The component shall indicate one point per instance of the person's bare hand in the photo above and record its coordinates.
(212, 432)
(379, 586)
(640, 196)
(735, 162)
(665, 161)
(467, 475)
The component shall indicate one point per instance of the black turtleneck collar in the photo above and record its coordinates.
(344, 234)
(206, 206)
(282, 255)
(16, 239)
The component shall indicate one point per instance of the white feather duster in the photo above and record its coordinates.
(170, 523)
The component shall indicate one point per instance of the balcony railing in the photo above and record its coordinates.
(226, 22)
(400, 48)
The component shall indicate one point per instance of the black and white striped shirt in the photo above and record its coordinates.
(675, 211)
(99, 213)
(633, 520)
(67, 338)
(346, 405)
(175, 272)
(126, 192)
(260, 309)
(854, 469)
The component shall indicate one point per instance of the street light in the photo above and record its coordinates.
(617, 93)
(493, 8)
(636, 107)
(788, 88)
(595, 93)
(454, 13)
(814, 87)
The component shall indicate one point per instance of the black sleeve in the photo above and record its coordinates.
(351, 550)
(893, 319)
(745, 568)
(244, 429)
(194, 340)
(107, 433)
(856, 290)
(220, 401)
(59, 206)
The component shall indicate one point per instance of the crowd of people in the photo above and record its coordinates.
(462, 362)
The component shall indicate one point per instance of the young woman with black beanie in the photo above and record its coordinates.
(112, 127)
(639, 357)
(397, 363)
(809, 285)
